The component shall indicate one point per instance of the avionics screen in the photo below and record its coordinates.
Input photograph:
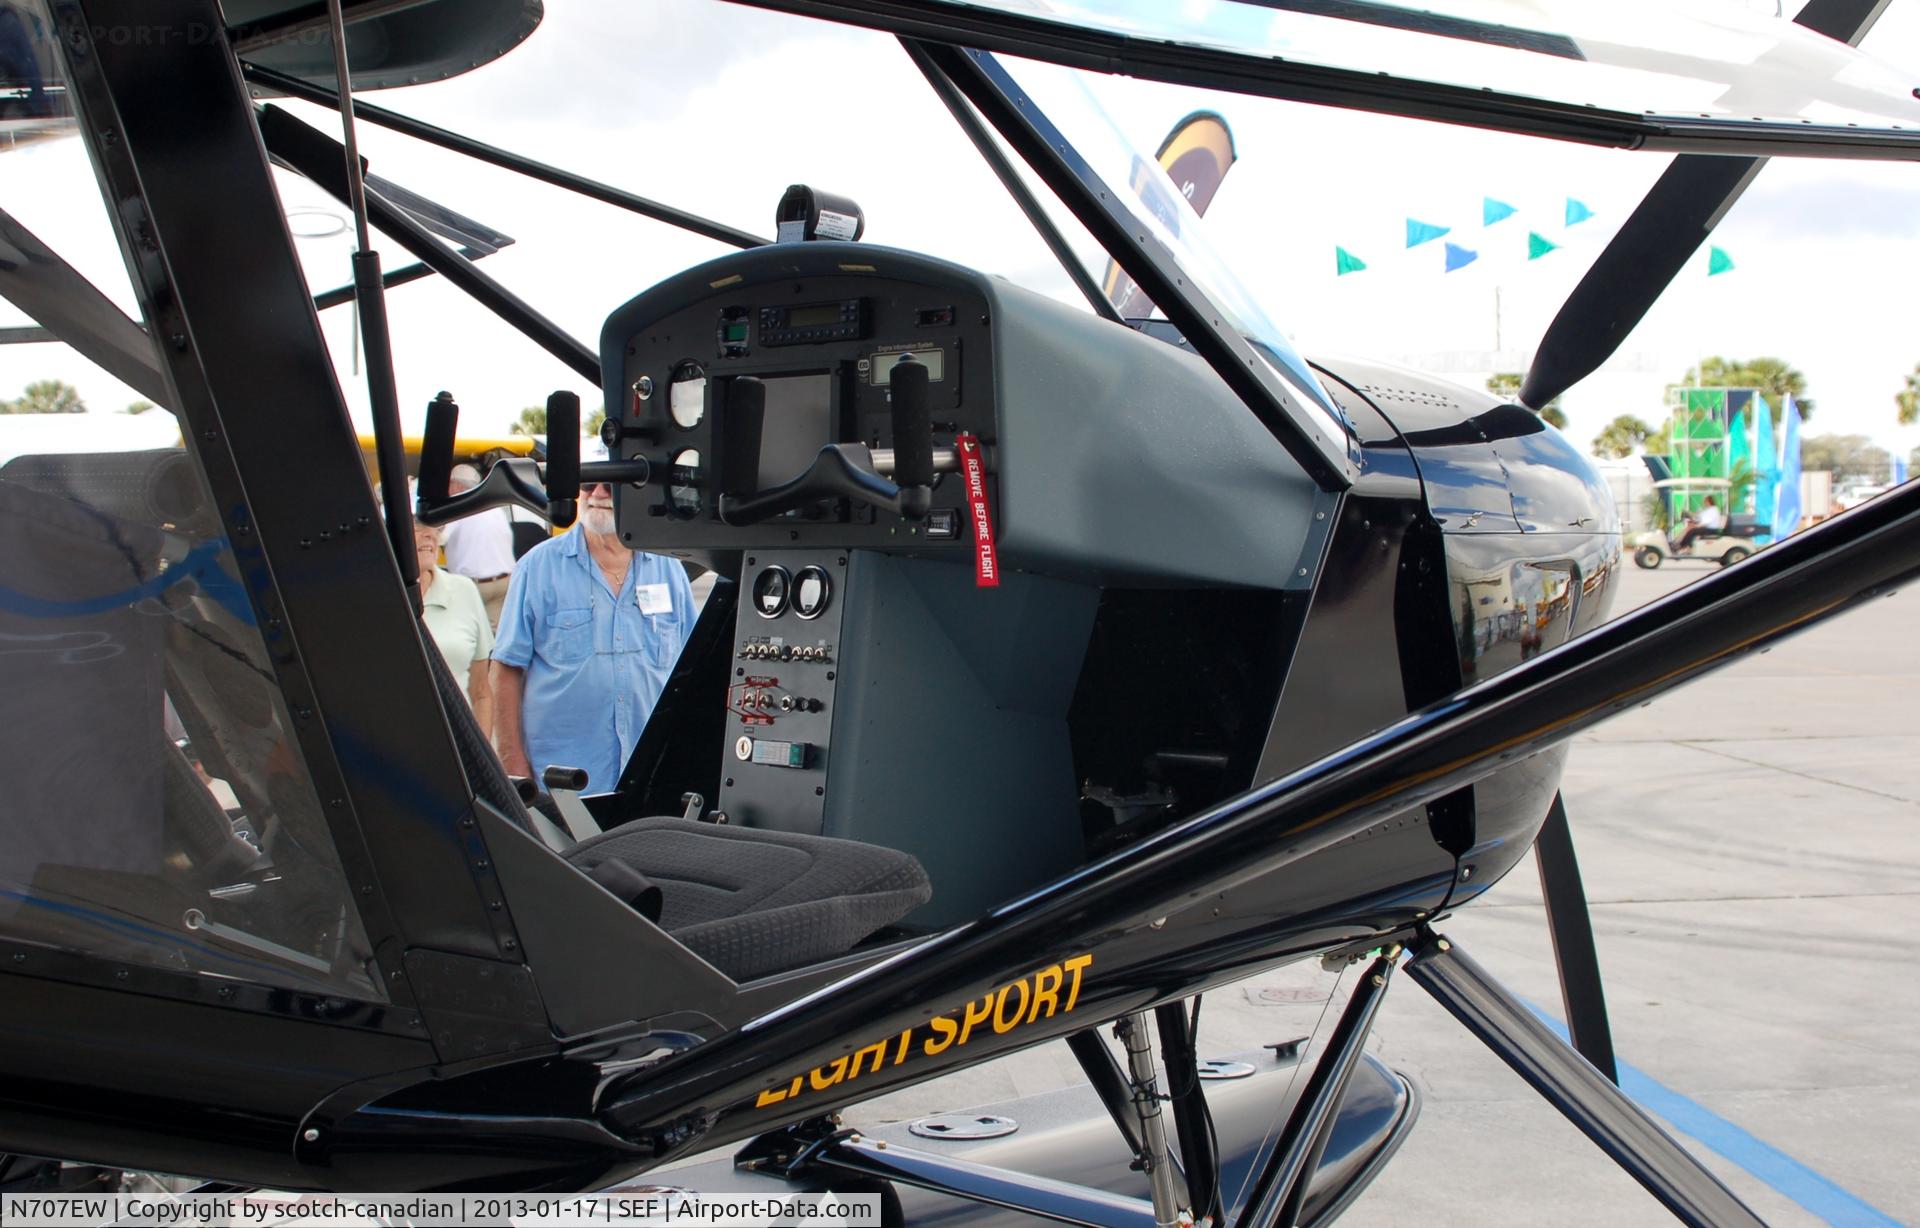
(808, 317)
(799, 422)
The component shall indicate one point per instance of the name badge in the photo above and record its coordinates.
(654, 598)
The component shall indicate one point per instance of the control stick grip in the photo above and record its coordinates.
(563, 457)
(436, 449)
(746, 413)
(912, 424)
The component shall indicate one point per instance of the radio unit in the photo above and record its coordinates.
(809, 322)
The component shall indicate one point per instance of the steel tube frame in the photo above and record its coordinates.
(1280, 1190)
(317, 156)
(480, 151)
(1568, 1082)
(1103, 1074)
(1009, 176)
(1534, 706)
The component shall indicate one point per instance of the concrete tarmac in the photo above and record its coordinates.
(1751, 850)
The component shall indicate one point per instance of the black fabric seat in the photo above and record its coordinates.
(751, 902)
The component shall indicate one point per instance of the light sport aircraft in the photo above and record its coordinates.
(1067, 663)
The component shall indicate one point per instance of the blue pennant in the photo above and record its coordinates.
(1423, 232)
(1459, 257)
(1577, 211)
(1492, 210)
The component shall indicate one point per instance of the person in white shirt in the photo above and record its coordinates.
(481, 547)
(1709, 521)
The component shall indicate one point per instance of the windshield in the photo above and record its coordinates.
(1155, 202)
(1685, 63)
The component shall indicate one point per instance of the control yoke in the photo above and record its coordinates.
(846, 470)
(516, 480)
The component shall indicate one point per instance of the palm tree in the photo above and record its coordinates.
(532, 421)
(46, 396)
(1775, 377)
(1620, 437)
(1908, 398)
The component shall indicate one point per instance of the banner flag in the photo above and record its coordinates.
(1459, 257)
(1345, 262)
(1538, 246)
(1419, 232)
(1196, 156)
(1577, 211)
(1899, 470)
(1492, 210)
(1786, 493)
(1718, 262)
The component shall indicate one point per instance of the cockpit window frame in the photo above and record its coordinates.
(1260, 75)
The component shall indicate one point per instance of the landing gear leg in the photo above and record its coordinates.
(1169, 1192)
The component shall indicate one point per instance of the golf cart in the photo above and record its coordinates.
(1726, 546)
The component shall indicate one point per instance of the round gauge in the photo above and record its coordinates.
(771, 589)
(683, 482)
(687, 398)
(812, 590)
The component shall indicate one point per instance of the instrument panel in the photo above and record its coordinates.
(823, 347)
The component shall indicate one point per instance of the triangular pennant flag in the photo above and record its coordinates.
(1492, 210)
(1538, 246)
(1718, 261)
(1459, 257)
(1423, 232)
(1345, 262)
(1577, 211)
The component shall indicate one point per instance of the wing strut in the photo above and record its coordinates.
(1570, 924)
(1565, 1080)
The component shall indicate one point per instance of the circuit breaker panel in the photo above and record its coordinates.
(786, 653)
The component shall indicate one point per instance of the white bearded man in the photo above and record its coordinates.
(589, 633)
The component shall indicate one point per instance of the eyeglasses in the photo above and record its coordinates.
(587, 488)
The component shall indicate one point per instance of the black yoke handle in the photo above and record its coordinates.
(840, 471)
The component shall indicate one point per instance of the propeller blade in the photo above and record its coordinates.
(1668, 227)
(1570, 925)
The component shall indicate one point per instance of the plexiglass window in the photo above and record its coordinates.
(154, 808)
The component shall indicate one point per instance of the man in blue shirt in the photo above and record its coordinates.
(588, 635)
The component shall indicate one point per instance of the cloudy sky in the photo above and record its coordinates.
(717, 108)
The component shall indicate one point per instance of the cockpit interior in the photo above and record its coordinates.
(942, 627)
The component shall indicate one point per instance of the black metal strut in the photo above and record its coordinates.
(370, 294)
(1570, 925)
(317, 156)
(1571, 1084)
(480, 151)
(1280, 1191)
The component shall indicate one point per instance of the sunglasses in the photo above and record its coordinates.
(587, 488)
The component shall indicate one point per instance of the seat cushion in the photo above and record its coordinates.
(752, 902)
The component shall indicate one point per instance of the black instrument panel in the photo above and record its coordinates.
(823, 347)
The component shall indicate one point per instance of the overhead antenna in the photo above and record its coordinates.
(370, 295)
